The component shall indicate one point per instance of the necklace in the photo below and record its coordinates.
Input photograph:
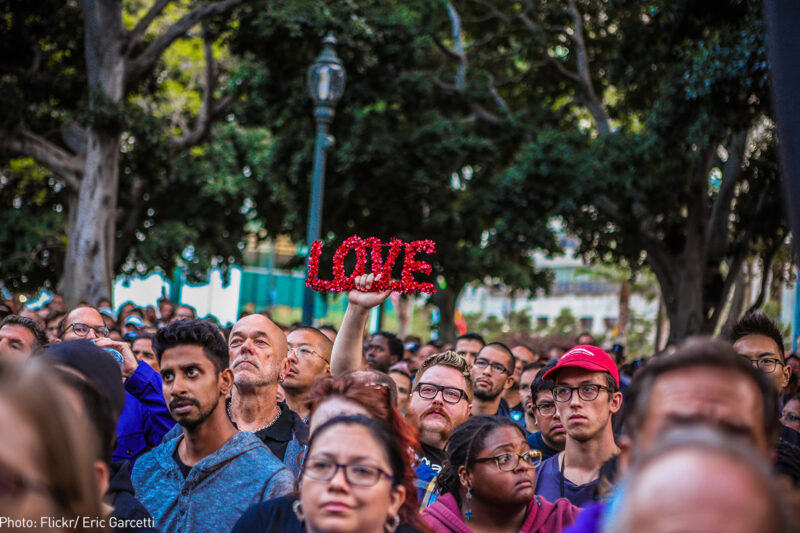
(272, 422)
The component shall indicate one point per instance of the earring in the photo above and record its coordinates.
(298, 510)
(467, 506)
(392, 524)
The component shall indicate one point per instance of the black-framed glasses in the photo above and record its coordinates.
(508, 461)
(357, 474)
(546, 408)
(428, 391)
(766, 365)
(81, 329)
(587, 392)
(305, 353)
(497, 368)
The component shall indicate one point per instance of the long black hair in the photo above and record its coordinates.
(463, 446)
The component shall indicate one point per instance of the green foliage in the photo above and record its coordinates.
(565, 325)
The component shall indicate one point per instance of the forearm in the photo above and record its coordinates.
(348, 348)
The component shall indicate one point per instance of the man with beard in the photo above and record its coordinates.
(586, 395)
(492, 374)
(258, 358)
(309, 357)
(204, 479)
(551, 435)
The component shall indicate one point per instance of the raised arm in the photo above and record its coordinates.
(348, 348)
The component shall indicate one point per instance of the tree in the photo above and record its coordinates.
(69, 115)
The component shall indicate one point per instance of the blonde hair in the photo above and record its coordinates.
(65, 452)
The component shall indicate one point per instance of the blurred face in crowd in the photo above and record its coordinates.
(436, 418)
(377, 354)
(548, 421)
(257, 350)
(403, 383)
(193, 389)
(697, 490)
(468, 348)
(52, 328)
(345, 502)
(525, 380)
(83, 323)
(184, 313)
(790, 416)
(724, 399)
(16, 342)
(794, 364)
(143, 351)
(488, 483)
(332, 407)
(764, 352)
(523, 354)
(423, 353)
(166, 310)
(491, 373)
(582, 419)
(309, 356)
(24, 492)
(57, 303)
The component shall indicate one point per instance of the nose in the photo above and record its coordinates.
(339, 480)
(292, 356)
(92, 334)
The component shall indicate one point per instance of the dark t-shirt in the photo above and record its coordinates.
(551, 485)
(185, 469)
(536, 442)
(433, 457)
(279, 434)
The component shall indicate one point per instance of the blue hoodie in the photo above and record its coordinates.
(217, 490)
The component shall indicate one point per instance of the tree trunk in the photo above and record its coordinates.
(624, 313)
(684, 304)
(445, 300)
(88, 271)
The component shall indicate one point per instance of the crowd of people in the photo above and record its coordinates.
(155, 420)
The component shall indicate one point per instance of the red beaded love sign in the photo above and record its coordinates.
(343, 282)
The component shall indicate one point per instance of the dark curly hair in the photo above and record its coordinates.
(757, 323)
(463, 446)
(39, 335)
(195, 332)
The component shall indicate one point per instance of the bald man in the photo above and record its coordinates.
(309, 357)
(257, 351)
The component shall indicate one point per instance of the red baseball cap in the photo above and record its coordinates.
(587, 357)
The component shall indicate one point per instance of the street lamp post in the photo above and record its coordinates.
(326, 79)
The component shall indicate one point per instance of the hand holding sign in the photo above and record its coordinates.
(381, 268)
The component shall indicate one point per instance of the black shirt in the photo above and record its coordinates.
(433, 457)
(278, 435)
(185, 469)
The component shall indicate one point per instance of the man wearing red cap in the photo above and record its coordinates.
(586, 395)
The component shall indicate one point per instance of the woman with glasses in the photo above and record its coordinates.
(356, 478)
(488, 480)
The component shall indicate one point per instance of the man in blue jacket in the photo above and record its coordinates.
(204, 479)
(145, 419)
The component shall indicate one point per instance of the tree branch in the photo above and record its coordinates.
(717, 232)
(766, 265)
(146, 60)
(593, 103)
(23, 142)
(138, 31)
(128, 219)
(455, 25)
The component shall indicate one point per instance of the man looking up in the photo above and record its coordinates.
(257, 354)
(145, 419)
(551, 436)
(207, 477)
(20, 337)
(586, 395)
(309, 357)
(142, 347)
(491, 374)
(468, 345)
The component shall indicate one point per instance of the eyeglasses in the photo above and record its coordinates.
(356, 474)
(305, 353)
(789, 417)
(497, 368)
(81, 330)
(428, 391)
(587, 392)
(506, 462)
(766, 365)
(547, 409)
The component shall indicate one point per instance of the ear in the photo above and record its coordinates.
(465, 477)
(787, 373)
(396, 500)
(625, 444)
(509, 382)
(226, 381)
(285, 364)
(101, 475)
(616, 402)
